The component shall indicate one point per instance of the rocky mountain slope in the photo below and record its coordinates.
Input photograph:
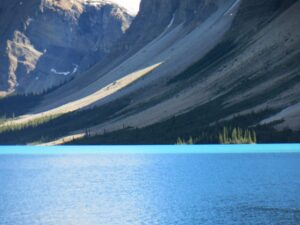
(184, 66)
(45, 42)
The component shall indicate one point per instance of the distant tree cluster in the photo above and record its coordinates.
(237, 136)
(9, 126)
(15, 105)
(190, 141)
(227, 136)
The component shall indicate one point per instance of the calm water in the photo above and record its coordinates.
(182, 189)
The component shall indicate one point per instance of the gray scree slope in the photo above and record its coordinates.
(253, 49)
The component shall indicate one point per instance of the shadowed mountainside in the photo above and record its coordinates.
(195, 64)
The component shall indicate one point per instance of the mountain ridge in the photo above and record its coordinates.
(191, 70)
(49, 39)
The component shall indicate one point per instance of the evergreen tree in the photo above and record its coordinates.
(221, 138)
(254, 137)
(180, 141)
(237, 136)
(191, 141)
(234, 136)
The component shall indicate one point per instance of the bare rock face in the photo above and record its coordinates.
(241, 55)
(196, 61)
(45, 42)
(155, 15)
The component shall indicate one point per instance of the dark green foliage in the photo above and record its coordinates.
(227, 136)
(189, 128)
(50, 128)
(197, 123)
(280, 5)
(11, 128)
(173, 131)
(267, 134)
(190, 141)
(237, 136)
(16, 105)
(196, 126)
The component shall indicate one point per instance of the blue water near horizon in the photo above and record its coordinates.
(152, 149)
(150, 185)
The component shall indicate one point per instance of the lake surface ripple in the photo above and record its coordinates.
(142, 189)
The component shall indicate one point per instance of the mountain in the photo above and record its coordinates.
(45, 42)
(185, 69)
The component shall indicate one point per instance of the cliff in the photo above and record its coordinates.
(186, 66)
(46, 42)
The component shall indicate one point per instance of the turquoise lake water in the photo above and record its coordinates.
(171, 186)
(164, 149)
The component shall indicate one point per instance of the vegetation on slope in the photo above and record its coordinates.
(51, 127)
(227, 136)
(19, 104)
(15, 105)
(237, 136)
(197, 126)
(191, 131)
(198, 123)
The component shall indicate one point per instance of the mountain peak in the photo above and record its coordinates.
(77, 5)
(80, 32)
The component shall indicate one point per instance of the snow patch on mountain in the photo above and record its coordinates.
(75, 69)
(60, 73)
